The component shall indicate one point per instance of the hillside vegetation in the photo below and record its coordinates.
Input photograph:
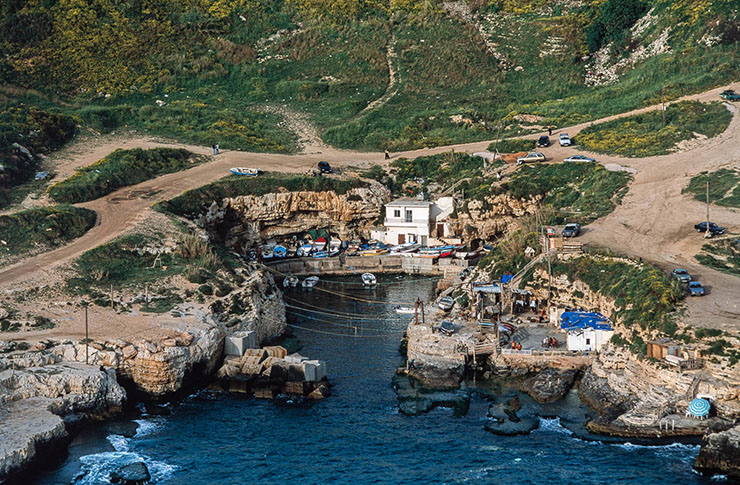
(203, 70)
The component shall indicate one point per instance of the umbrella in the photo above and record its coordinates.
(699, 407)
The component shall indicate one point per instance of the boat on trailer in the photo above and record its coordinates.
(249, 172)
(368, 279)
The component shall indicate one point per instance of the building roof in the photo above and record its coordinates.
(582, 320)
(407, 201)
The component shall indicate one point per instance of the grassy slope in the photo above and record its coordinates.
(646, 135)
(120, 169)
(216, 68)
(45, 226)
(724, 187)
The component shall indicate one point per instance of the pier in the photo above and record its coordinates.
(388, 263)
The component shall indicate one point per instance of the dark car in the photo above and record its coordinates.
(544, 141)
(713, 228)
(729, 95)
(571, 230)
(324, 167)
(696, 289)
(681, 275)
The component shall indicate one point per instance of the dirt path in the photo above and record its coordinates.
(654, 221)
(392, 89)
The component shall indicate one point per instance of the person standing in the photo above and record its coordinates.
(387, 155)
(218, 149)
(549, 130)
(214, 148)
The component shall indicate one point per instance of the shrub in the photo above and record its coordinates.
(512, 145)
(43, 226)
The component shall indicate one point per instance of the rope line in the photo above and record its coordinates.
(346, 325)
(333, 313)
(342, 334)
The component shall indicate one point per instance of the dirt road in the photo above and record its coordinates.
(654, 221)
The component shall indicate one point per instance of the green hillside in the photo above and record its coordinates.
(203, 70)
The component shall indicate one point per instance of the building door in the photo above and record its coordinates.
(440, 230)
(423, 240)
(401, 238)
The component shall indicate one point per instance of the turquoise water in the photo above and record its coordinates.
(357, 434)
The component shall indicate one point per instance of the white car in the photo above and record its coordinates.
(579, 158)
(564, 140)
(531, 157)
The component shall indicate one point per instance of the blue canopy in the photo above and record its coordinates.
(699, 407)
(582, 320)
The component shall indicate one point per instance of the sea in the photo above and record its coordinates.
(358, 435)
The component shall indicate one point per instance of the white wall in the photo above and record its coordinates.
(588, 340)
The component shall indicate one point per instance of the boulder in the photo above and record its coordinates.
(550, 385)
(132, 474)
(320, 392)
(504, 420)
(720, 454)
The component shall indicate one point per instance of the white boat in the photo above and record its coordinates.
(335, 247)
(368, 279)
(310, 282)
(290, 281)
(267, 251)
(405, 310)
(410, 247)
(250, 172)
(446, 303)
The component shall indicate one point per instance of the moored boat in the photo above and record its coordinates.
(267, 251)
(310, 282)
(280, 251)
(290, 282)
(320, 254)
(405, 310)
(368, 279)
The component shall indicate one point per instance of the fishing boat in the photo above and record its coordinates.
(335, 247)
(446, 303)
(320, 254)
(368, 279)
(249, 172)
(410, 247)
(405, 310)
(280, 251)
(310, 282)
(290, 282)
(267, 251)
(304, 250)
(319, 244)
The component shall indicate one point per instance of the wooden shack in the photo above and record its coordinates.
(658, 349)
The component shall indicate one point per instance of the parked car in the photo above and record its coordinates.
(729, 95)
(543, 141)
(579, 158)
(571, 230)
(681, 275)
(714, 229)
(531, 157)
(564, 140)
(324, 167)
(696, 289)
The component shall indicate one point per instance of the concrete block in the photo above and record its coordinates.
(238, 343)
(276, 351)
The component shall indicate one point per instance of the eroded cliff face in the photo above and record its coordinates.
(491, 217)
(241, 222)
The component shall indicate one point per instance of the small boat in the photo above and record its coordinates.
(405, 310)
(267, 251)
(368, 279)
(320, 254)
(290, 282)
(304, 250)
(410, 247)
(319, 244)
(446, 303)
(280, 251)
(310, 282)
(335, 247)
(249, 172)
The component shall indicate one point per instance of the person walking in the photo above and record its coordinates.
(549, 130)
(218, 149)
(214, 148)
(387, 155)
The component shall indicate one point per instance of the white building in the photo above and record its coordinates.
(414, 220)
(588, 339)
(408, 220)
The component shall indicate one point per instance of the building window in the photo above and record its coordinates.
(409, 216)
(588, 341)
(397, 213)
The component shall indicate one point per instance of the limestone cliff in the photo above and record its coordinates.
(720, 453)
(490, 218)
(243, 221)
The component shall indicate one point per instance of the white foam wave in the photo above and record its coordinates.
(553, 425)
(118, 442)
(146, 427)
(96, 468)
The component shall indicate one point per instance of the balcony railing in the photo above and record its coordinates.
(403, 220)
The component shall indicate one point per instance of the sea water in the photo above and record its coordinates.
(356, 435)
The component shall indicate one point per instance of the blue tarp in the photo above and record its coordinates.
(573, 320)
(505, 278)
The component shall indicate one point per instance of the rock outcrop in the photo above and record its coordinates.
(492, 217)
(434, 358)
(550, 384)
(720, 454)
(244, 221)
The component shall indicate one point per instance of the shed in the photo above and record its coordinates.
(659, 349)
(587, 331)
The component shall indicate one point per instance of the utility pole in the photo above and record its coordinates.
(416, 312)
(707, 234)
(87, 338)
(662, 102)
(423, 320)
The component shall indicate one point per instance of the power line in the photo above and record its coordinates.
(341, 334)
